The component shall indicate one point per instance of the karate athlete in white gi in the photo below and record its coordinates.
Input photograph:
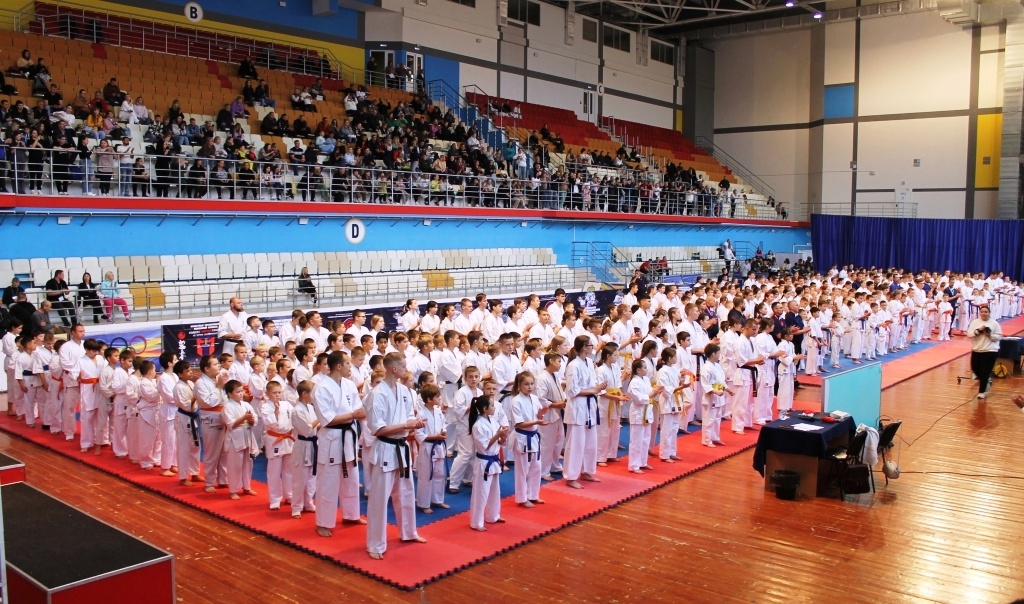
(582, 415)
(392, 419)
(337, 406)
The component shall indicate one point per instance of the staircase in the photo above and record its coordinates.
(606, 263)
(748, 176)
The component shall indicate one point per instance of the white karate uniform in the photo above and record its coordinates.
(743, 381)
(552, 435)
(231, 323)
(303, 480)
(485, 501)
(239, 445)
(105, 409)
(211, 403)
(641, 416)
(391, 474)
(69, 356)
(764, 345)
(431, 473)
(168, 411)
(670, 408)
(147, 442)
(610, 429)
(41, 370)
(461, 471)
(582, 416)
(945, 310)
(337, 471)
(526, 447)
(131, 433)
(279, 440)
(713, 403)
(88, 378)
(787, 375)
(186, 419)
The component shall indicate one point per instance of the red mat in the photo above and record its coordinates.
(912, 365)
(451, 545)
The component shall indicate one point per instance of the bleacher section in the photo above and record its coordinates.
(671, 146)
(694, 259)
(184, 285)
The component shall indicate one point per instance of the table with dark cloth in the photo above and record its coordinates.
(781, 437)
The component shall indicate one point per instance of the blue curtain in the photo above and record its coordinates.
(919, 243)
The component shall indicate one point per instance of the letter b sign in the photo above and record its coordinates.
(194, 12)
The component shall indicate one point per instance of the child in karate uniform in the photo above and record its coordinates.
(945, 310)
(788, 361)
(11, 347)
(132, 394)
(641, 416)
(712, 379)
(489, 437)
(431, 474)
(240, 443)
(147, 423)
(88, 383)
(609, 430)
(278, 445)
(527, 417)
(41, 359)
(461, 472)
(25, 380)
(186, 425)
(670, 405)
(304, 451)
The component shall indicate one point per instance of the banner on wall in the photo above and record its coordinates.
(147, 342)
(194, 340)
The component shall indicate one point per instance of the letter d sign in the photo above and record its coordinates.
(355, 230)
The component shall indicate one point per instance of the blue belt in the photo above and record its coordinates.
(46, 367)
(597, 411)
(316, 448)
(530, 435)
(193, 424)
(26, 372)
(433, 447)
(491, 460)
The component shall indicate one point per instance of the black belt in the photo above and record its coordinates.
(348, 428)
(434, 444)
(316, 448)
(193, 424)
(753, 376)
(529, 434)
(491, 460)
(597, 410)
(404, 456)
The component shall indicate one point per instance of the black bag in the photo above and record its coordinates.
(857, 479)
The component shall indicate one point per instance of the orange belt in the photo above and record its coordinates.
(216, 409)
(95, 380)
(280, 436)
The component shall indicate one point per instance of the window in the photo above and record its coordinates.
(589, 30)
(618, 39)
(469, 3)
(524, 11)
(662, 53)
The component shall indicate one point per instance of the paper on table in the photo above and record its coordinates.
(806, 427)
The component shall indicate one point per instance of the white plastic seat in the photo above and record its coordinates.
(38, 264)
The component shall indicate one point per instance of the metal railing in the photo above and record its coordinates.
(885, 209)
(205, 297)
(183, 177)
(68, 20)
(733, 164)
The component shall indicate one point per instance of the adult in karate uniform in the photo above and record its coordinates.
(209, 391)
(391, 420)
(337, 406)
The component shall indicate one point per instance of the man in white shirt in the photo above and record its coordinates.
(985, 334)
(542, 329)
(556, 308)
(642, 317)
(232, 325)
(358, 328)
(316, 331)
(493, 325)
(209, 392)
(70, 354)
(464, 322)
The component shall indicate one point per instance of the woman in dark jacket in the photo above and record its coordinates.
(88, 297)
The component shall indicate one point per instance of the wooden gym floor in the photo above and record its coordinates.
(949, 530)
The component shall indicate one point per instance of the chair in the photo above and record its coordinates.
(886, 434)
(843, 458)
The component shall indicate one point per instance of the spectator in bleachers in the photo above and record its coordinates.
(81, 105)
(141, 111)
(35, 162)
(62, 157)
(88, 297)
(126, 158)
(246, 180)
(106, 159)
(10, 294)
(57, 292)
(284, 126)
(238, 109)
(112, 93)
(269, 125)
(197, 180)
(262, 96)
(54, 98)
(317, 90)
(193, 132)
(249, 93)
(85, 164)
(175, 111)
(140, 179)
(247, 69)
(220, 178)
(306, 284)
(110, 290)
(301, 127)
(40, 320)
